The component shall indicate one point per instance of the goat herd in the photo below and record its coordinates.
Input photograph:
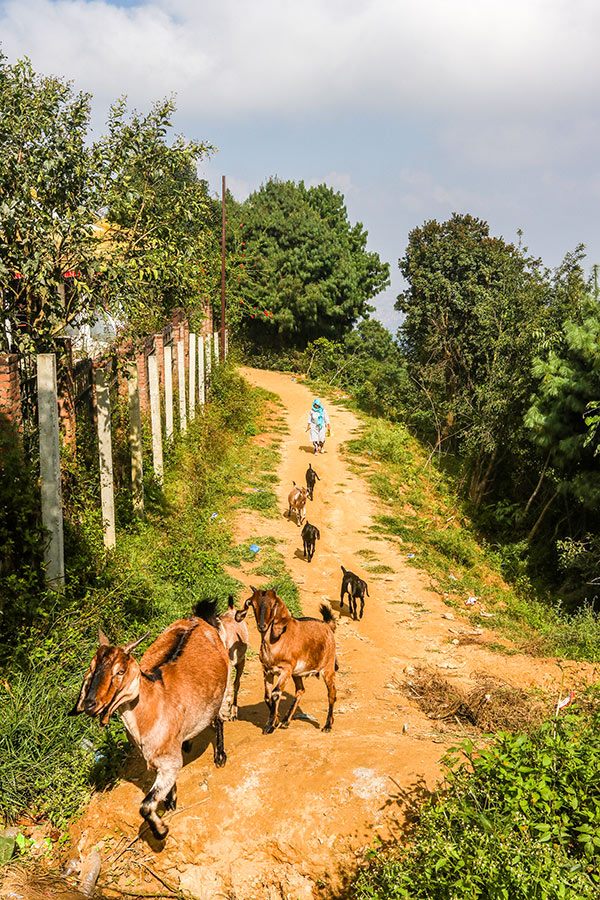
(182, 685)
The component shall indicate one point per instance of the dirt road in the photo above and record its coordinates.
(291, 812)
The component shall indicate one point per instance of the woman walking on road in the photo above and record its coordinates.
(318, 424)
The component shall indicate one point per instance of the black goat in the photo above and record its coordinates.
(355, 587)
(311, 480)
(310, 534)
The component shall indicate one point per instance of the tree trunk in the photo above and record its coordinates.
(541, 516)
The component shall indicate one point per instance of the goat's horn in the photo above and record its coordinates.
(102, 639)
(129, 647)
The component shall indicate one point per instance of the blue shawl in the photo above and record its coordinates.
(318, 408)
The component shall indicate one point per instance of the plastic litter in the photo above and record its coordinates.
(471, 601)
(90, 869)
(213, 516)
(565, 700)
(410, 555)
(452, 577)
(254, 548)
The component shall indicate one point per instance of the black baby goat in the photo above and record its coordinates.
(310, 534)
(311, 480)
(355, 587)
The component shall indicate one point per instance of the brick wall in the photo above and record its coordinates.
(10, 390)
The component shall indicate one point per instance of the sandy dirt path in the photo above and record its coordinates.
(291, 812)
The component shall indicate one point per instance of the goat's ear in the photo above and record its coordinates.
(253, 589)
(241, 613)
(78, 707)
(281, 619)
(131, 646)
(102, 639)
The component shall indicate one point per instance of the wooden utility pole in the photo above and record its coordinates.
(222, 353)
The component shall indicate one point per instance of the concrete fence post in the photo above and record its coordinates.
(135, 440)
(168, 355)
(226, 343)
(181, 373)
(107, 499)
(52, 515)
(192, 376)
(201, 383)
(157, 451)
(207, 346)
(216, 347)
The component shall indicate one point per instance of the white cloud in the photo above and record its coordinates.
(282, 56)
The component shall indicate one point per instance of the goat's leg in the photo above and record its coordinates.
(167, 770)
(329, 679)
(171, 798)
(275, 697)
(352, 605)
(362, 605)
(305, 546)
(220, 755)
(299, 685)
(342, 592)
(239, 668)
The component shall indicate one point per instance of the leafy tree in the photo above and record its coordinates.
(124, 223)
(567, 376)
(158, 217)
(304, 271)
(476, 309)
(48, 202)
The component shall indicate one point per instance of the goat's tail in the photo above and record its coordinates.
(207, 610)
(343, 570)
(328, 616)
(230, 603)
(367, 589)
(318, 534)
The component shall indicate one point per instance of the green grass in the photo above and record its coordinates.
(432, 529)
(517, 820)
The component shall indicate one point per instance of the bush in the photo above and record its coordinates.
(517, 821)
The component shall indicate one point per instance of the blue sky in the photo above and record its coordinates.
(413, 110)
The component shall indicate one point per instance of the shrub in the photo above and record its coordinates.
(516, 821)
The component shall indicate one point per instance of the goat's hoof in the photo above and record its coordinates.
(233, 714)
(285, 723)
(220, 759)
(159, 831)
(269, 728)
(326, 727)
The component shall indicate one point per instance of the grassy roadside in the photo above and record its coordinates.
(517, 820)
(49, 763)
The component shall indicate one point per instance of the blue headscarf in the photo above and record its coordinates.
(318, 408)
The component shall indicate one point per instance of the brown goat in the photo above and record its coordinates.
(235, 637)
(170, 696)
(297, 501)
(292, 647)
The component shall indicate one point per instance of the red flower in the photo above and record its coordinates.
(17, 275)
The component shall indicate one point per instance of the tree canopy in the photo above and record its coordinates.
(123, 223)
(302, 269)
